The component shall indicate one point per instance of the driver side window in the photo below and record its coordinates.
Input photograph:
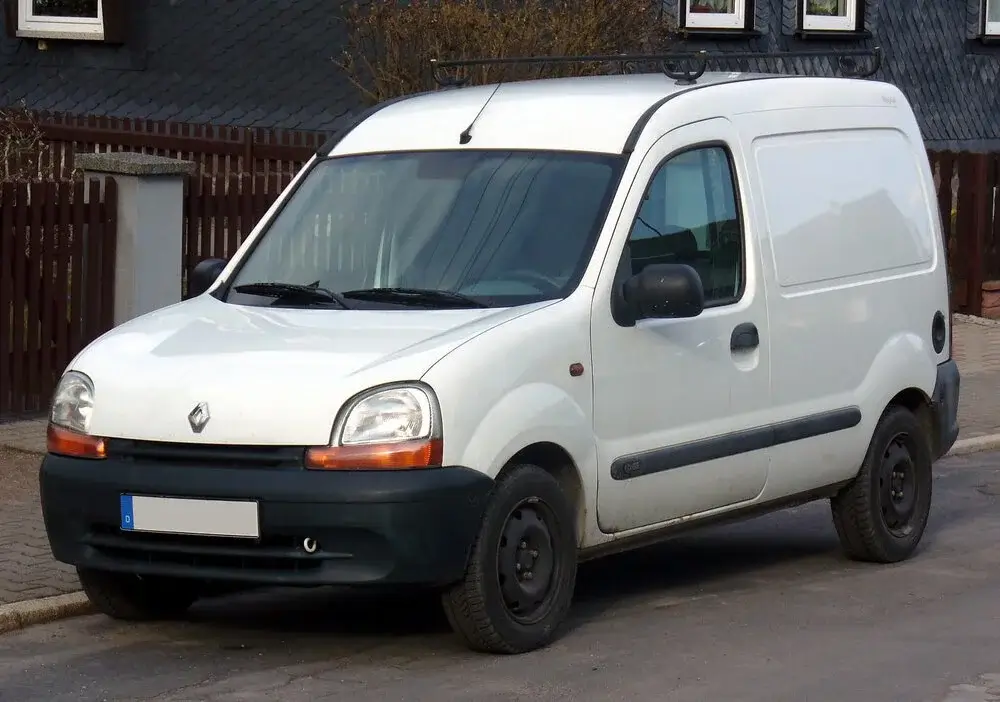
(689, 215)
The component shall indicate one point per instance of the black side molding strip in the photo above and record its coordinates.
(735, 443)
(633, 137)
(327, 146)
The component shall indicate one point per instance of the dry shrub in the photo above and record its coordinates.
(390, 44)
(21, 144)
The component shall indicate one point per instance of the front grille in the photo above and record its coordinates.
(277, 554)
(207, 455)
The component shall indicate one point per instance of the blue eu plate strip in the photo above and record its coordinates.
(128, 519)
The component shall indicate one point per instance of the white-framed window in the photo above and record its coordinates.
(831, 15)
(991, 18)
(61, 19)
(715, 14)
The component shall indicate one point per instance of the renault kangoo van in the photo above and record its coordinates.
(491, 332)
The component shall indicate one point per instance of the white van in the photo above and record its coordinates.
(488, 333)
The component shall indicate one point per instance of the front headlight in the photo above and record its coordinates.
(73, 403)
(390, 428)
(69, 419)
(395, 414)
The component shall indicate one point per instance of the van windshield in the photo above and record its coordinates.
(432, 229)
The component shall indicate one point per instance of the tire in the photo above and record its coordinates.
(881, 515)
(134, 598)
(526, 548)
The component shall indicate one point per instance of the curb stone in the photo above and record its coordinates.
(978, 321)
(21, 615)
(976, 444)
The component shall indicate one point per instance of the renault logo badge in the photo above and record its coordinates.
(199, 417)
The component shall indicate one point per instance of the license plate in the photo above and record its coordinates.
(175, 515)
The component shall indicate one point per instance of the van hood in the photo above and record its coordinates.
(269, 376)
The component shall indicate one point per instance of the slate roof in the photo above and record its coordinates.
(268, 63)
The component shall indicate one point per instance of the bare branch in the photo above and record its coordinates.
(390, 44)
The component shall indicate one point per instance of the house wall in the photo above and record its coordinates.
(232, 62)
(269, 63)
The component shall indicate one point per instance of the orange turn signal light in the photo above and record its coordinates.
(69, 443)
(403, 455)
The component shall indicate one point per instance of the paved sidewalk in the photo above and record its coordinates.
(977, 351)
(24, 436)
(27, 570)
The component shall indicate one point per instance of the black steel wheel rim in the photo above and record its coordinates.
(528, 564)
(898, 486)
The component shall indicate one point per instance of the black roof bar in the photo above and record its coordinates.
(695, 62)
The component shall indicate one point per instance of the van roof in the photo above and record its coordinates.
(591, 113)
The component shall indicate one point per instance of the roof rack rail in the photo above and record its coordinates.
(684, 67)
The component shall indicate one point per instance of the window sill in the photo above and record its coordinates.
(833, 34)
(57, 34)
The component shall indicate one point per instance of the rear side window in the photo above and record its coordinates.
(689, 215)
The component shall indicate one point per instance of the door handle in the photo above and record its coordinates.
(745, 337)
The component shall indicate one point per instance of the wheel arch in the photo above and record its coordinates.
(916, 401)
(557, 461)
(902, 374)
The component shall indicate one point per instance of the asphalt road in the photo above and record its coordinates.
(765, 611)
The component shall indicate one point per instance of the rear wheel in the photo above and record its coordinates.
(137, 598)
(881, 516)
(519, 582)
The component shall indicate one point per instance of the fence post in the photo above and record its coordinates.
(248, 147)
(981, 223)
(150, 213)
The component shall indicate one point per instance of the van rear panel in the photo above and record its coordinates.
(853, 264)
(863, 224)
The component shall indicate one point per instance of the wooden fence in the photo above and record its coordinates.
(969, 200)
(219, 213)
(57, 248)
(218, 151)
(240, 171)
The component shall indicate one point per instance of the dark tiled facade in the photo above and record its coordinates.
(234, 62)
(269, 63)
(932, 51)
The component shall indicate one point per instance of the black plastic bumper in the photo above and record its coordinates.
(412, 527)
(945, 405)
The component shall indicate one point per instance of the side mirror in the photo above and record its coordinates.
(204, 274)
(663, 290)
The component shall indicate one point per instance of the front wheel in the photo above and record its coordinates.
(136, 598)
(519, 582)
(882, 514)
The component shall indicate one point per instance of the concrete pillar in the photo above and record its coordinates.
(150, 227)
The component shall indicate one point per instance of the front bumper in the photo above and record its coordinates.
(412, 527)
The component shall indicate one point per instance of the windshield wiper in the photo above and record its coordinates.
(415, 296)
(293, 291)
